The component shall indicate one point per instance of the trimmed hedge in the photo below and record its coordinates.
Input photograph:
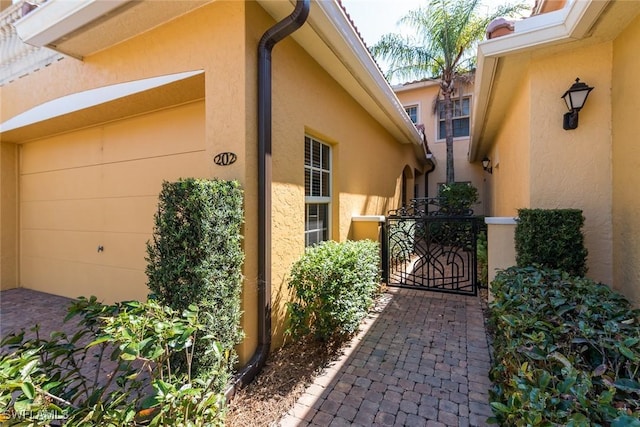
(196, 258)
(566, 351)
(551, 238)
(333, 286)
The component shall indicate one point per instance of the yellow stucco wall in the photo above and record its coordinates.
(424, 96)
(367, 162)
(537, 164)
(625, 96)
(509, 181)
(501, 253)
(8, 216)
(572, 169)
(98, 186)
(228, 106)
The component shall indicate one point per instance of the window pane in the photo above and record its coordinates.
(325, 157)
(316, 223)
(412, 112)
(325, 185)
(465, 107)
(307, 182)
(315, 183)
(461, 108)
(307, 151)
(456, 108)
(315, 152)
(461, 127)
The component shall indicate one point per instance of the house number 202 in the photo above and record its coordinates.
(225, 159)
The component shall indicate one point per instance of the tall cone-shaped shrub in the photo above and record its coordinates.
(195, 257)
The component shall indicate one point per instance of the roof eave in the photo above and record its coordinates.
(352, 66)
(562, 26)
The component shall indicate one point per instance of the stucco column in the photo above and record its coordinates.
(8, 216)
(366, 227)
(501, 245)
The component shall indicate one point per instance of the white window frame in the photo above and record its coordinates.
(314, 200)
(439, 120)
(417, 107)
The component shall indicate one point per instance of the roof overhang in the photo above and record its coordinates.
(80, 28)
(329, 37)
(577, 24)
(103, 104)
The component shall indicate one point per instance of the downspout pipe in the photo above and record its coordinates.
(269, 39)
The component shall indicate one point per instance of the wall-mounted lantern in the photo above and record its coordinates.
(575, 98)
(486, 164)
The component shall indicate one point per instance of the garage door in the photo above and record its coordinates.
(87, 200)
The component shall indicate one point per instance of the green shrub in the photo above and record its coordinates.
(333, 285)
(566, 351)
(482, 250)
(457, 198)
(114, 371)
(196, 258)
(551, 238)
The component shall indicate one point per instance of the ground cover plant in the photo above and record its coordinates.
(115, 370)
(566, 351)
(333, 286)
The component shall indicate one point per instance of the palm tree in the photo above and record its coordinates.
(446, 31)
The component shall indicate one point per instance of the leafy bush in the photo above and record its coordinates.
(482, 250)
(457, 198)
(566, 351)
(123, 377)
(334, 285)
(196, 258)
(551, 238)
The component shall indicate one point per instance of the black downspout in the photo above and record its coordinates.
(426, 179)
(269, 39)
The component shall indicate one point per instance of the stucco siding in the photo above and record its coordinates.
(367, 162)
(8, 216)
(424, 97)
(625, 96)
(572, 169)
(99, 187)
(510, 180)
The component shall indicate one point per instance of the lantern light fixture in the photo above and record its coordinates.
(486, 164)
(575, 98)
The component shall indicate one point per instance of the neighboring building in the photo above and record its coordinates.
(151, 91)
(419, 100)
(517, 122)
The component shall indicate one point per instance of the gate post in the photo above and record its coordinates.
(384, 245)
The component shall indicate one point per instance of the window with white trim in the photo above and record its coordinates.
(461, 108)
(412, 112)
(317, 186)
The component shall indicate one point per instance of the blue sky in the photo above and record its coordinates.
(373, 18)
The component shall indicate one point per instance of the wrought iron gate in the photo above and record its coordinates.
(426, 248)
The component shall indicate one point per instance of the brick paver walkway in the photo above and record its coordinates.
(422, 360)
(24, 308)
